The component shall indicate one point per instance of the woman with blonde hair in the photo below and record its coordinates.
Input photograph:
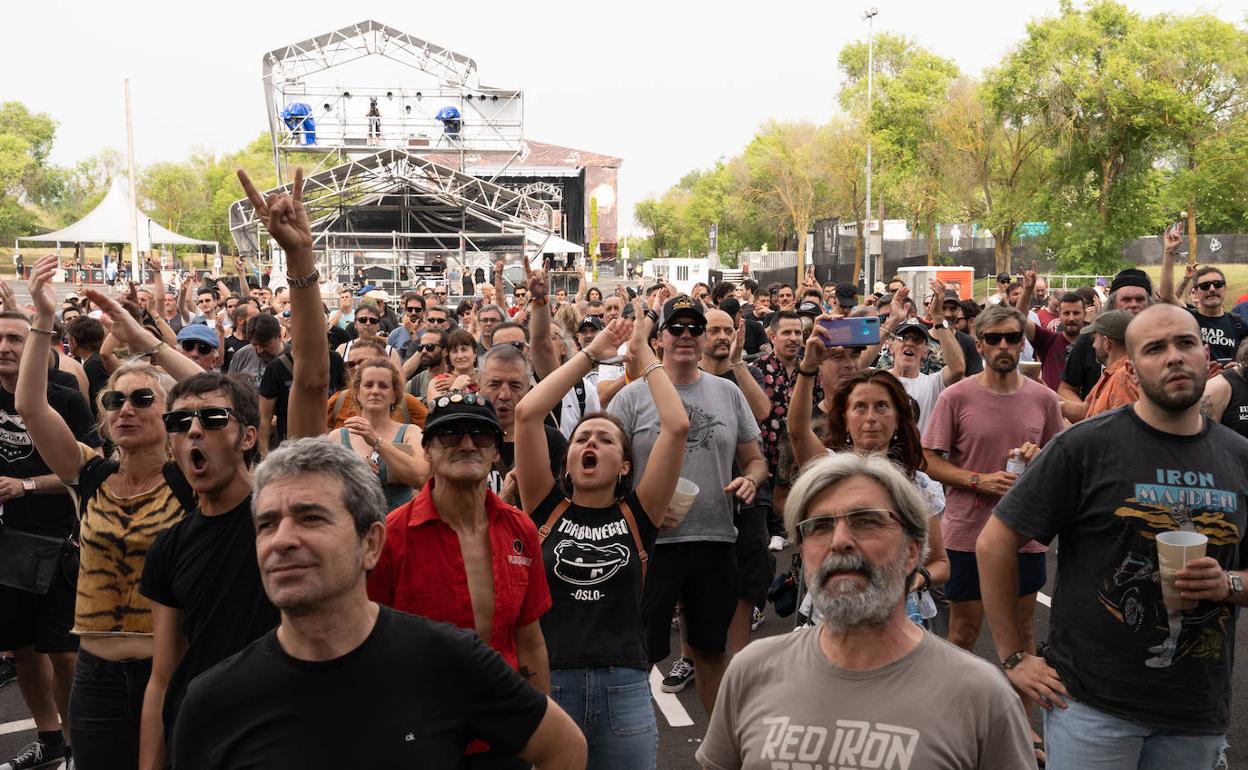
(390, 447)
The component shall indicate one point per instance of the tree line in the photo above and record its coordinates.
(1101, 123)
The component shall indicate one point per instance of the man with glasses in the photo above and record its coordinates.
(426, 361)
(264, 335)
(909, 345)
(695, 563)
(206, 301)
(1222, 331)
(979, 424)
(199, 343)
(460, 554)
(413, 317)
(824, 696)
(201, 575)
(488, 319)
(521, 295)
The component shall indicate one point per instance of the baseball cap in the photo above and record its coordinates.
(951, 296)
(909, 326)
(460, 408)
(1004, 278)
(198, 333)
(590, 320)
(381, 295)
(681, 304)
(809, 308)
(1112, 324)
(846, 294)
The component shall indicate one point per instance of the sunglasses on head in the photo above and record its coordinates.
(367, 319)
(190, 346)
(678, 330)
(994, 338)
(415, 310)
(139, 398)
(1207, 285)
(210, 417)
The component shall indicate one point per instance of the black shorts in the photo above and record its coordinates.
(755, 564)
(963, 583)
(703, 578)
(44, 622)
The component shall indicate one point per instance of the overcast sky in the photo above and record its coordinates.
(668, 86)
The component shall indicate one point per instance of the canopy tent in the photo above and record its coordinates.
(548, 243)
(110, 222)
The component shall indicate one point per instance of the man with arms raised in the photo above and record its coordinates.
(1222, 331)
(1128, 682)
(1051, 348)
(430, 688)
(909, 345)
(867, 687)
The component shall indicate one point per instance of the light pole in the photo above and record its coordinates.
(868, 273)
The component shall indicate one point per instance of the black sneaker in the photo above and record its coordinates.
(678, 679)
(35, 754)
(8, 671)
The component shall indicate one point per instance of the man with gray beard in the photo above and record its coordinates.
(866, 687)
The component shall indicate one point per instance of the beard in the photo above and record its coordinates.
(718, 352)
(1172, 401)
(1002, 363)
(846, 608)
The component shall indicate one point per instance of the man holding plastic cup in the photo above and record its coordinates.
(1136, 683)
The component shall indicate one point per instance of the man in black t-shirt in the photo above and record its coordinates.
(1129, 674)
(34, 501)
(1221, 331)
(201, 574)
(86, 336)
(431, 688)
(274, 391)
(505, 377)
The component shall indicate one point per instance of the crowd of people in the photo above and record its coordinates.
(244, 527)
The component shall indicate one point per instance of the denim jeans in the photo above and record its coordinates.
(612, 707)
(105, 709)
(1083, 738)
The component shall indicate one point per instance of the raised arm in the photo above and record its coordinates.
(500, 298)
(48, 430)
(955, 361)
(655, 489)
(544, 359)
(806, 445)
(158, 288)
(140, 341)
(760, 405)
(1024, 301)
(1170, 241)
(240, 269)
(284, 218)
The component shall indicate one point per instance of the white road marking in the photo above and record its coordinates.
(17, 727)
(1044, 599)
(669, 704)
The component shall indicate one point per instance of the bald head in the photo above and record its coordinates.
(1151, 321)
(718, 318)
(719, 334)
(1168, 358)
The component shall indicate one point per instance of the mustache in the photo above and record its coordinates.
(844, 562)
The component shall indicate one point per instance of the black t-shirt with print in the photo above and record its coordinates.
(1221, 333)
(414, 694)
(232, 345)
(594, 572)
(1082, 369)
(556, 449)
(1109, 635)
(206, 567)
(51, 515)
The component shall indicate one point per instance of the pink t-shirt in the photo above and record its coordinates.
(978, 428)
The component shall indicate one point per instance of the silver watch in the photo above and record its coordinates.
(1235, 582)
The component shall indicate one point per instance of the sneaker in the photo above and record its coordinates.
(777, 543)
(8, 671)
(756, 619)
(35, 754)
(678, 679)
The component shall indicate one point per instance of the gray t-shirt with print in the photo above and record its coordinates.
(782, 704)
(719, 419)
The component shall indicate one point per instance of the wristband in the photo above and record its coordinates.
(927, 578)
(974, 482)
(593, 362)
(805, 373)
(310, 279)
(539, 301)
(653, 316)
(48, 332)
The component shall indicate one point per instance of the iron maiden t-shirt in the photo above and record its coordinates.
(594, 573)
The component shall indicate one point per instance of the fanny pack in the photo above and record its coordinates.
(29, 562)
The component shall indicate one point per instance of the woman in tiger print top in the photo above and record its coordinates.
(130, 505)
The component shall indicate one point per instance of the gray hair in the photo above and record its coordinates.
(998, 314)
(361, 491)
(502, 314)
(823, 472)
(505, 353)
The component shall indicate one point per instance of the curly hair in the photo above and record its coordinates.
(904, 446)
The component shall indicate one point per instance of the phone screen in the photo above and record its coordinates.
(852, 332)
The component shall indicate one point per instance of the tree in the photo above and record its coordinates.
(844, 149)
(25, 141)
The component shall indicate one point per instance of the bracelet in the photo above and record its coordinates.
(653, 316)
(48, 332)
(539, 301)
(927, 578)
(805, 373)
(593, 362)
(310, 279)
(654, 365)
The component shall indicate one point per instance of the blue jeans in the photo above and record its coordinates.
(105, 708)
(612, 707)
(1083, 738)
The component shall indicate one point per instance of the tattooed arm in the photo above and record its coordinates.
(1217, 396)
(531, 656)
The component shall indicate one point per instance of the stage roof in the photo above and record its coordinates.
(534, 159)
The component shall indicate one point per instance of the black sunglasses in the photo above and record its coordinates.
(433, 320)
(415, 310)
(140, 398)
(367, 319)
(678, 330)
(210, 417)
(481, 437)
(994, 338)
(429, 347)
(1207, 285)
(204, 348)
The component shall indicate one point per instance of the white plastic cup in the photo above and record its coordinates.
(682, 501)
(1174, 551)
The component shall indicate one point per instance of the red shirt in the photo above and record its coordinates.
(421, 570)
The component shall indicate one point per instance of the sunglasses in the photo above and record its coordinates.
(190, 346)
(210, 417)
(139, 398)
(994, 338)
(367, 319)
(414, 310)
(440, 293)
(481, 437)
(429, 347)
(678, 330)
(433, 320)
(1207, 285)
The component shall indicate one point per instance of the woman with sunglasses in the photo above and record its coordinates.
(597, 530)
(870, 413)
(391, 448)
(126, 504)
(461, 376)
